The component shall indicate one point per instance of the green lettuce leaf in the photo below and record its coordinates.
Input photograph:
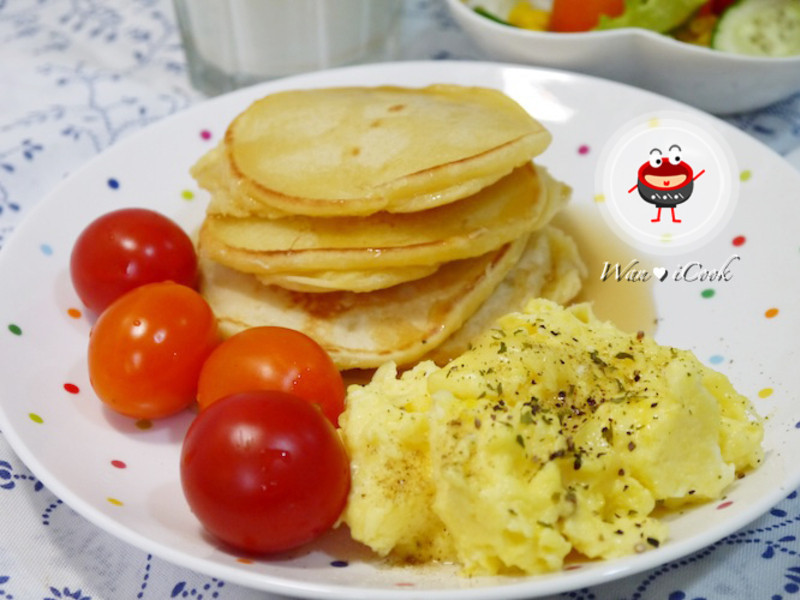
(658, 15)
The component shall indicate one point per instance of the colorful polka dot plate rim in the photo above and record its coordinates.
(122, 474)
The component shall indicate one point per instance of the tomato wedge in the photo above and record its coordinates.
(582, 15)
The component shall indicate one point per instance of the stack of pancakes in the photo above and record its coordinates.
(387, 223)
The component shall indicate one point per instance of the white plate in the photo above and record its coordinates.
(125, 478)
(719, 82)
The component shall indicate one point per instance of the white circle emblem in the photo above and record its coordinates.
(667, 182)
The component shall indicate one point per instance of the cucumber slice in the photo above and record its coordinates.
(759, 28)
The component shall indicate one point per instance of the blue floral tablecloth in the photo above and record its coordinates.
(76, 76)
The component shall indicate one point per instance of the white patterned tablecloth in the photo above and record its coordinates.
(76, 76)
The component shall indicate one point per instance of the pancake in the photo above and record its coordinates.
(353, 281)
(406, 322)
(550, 267)
(358, 150)
(363, 331)
(519, 203)
(388, 223)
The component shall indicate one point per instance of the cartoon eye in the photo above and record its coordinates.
(655, 158)
(675, 154)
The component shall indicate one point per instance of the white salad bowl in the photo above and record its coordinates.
(714, 81)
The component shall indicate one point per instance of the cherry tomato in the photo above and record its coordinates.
(127, 248)
(273, 358)
(264, 471)
(147, 348)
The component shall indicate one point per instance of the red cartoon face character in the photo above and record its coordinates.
(665, 181)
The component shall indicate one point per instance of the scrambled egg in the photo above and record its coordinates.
(554, 433)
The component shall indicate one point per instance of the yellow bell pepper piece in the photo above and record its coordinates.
(525, 16)
(697, 30)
